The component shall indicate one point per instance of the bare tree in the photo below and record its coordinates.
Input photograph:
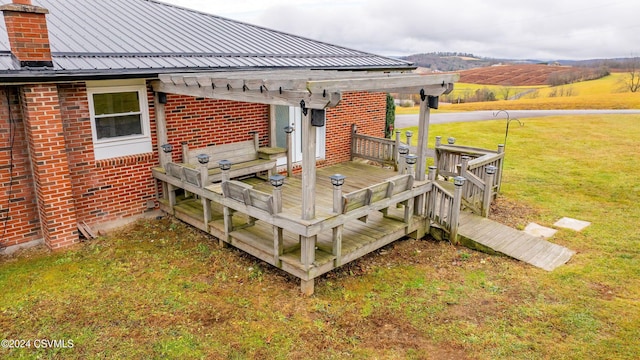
(632, 83)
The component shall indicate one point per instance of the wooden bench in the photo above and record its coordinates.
(374, 193)
(245, 156)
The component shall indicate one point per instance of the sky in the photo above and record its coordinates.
(513, 29)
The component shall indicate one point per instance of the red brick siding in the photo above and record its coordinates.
(108, 189)
(19, 221)
(28, 35)
(202, 122)
(366, 110)
(45, 134)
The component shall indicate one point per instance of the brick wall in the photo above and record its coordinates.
(109, 189)
(203, 122)
(19, 221)
(366, 110)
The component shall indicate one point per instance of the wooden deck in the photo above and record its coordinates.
(489, 236)
(361, 231)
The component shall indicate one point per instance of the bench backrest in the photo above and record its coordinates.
(237, 152)
(247, 195)
(374, 193)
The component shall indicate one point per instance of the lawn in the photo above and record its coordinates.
(160, 289)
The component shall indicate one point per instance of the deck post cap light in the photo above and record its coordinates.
(337, 179)
(433, 167)
(459, 181)
(167, 148)
(288, 129)
(203, 158)
(491, 169)
(276, 180)
(451, 140)
(409, 133)
(411, 159)
(224, 164)
(403, 149)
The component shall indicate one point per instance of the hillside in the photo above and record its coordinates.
(529, 75)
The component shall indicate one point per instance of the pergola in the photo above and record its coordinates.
(313, 91)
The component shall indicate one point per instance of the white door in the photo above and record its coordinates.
(292, 116)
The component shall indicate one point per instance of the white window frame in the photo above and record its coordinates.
(122, 145)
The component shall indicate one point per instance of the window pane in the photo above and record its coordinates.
(116, 103)
(114, 126)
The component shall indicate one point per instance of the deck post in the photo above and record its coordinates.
(455, 209)
(306, 286)
(396, 156)
(432, 173)
(337, 180)
(185, 151)
(403, 151)
(308, 166)
(423, 139)
(307, 251)
(288, 130)
(499, 173)
(354, 144)
(409, 207)
(409, 135)
(278, 240)
(227, 214)
(438, 141)
(206, 203)
(488, 190)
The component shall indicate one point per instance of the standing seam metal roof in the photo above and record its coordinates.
(126, 35)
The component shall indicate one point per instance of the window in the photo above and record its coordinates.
(119, 120)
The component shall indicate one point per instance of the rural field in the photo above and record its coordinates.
(159, 289)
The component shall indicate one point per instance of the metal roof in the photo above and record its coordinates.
(147, 36)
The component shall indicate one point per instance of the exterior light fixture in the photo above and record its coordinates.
(203, 158)
(403, 149)
(411, 159)
(276, 180)
(167, 148)
(224, 164)
(491, 169)
(459, 180)
(451, 140)
(337, 179)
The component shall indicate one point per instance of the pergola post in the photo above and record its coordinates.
(423, 139)
(308, 167)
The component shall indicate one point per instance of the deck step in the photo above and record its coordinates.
(511, 242)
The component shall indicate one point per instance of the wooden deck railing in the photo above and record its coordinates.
(481, 168)
(373, 148)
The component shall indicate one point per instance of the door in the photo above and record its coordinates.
(290, 115)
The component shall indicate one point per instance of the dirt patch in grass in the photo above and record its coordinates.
(512, 213)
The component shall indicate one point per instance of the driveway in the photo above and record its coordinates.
(403, 121)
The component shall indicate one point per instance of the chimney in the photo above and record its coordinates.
(28, 35)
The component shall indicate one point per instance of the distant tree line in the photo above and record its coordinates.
(577, 74)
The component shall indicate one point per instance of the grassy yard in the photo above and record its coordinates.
(159, 289)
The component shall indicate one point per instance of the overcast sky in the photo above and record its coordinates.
(540, 29)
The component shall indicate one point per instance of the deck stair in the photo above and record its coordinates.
(489, 236)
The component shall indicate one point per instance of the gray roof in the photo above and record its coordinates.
(146, 37)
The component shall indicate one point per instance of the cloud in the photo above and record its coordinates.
(548, 29)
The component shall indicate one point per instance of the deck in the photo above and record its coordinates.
(374, 207)
(361, 231)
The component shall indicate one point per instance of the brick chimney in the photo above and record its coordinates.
(28, 35)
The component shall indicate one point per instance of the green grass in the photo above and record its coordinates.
(161, 290)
